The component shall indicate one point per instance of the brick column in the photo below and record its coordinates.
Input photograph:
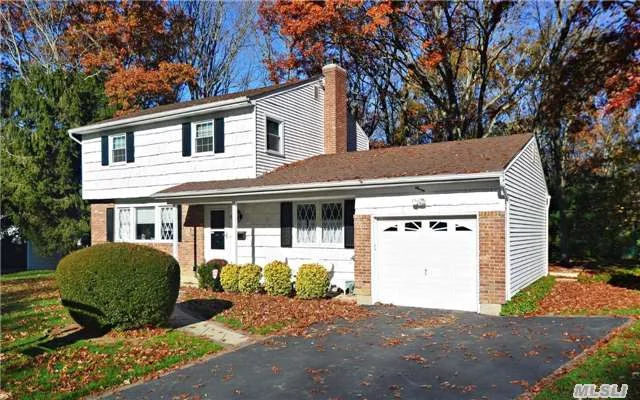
(99, 222)
(362, 250)
(335, 109)
(492, 260)
(192, 244)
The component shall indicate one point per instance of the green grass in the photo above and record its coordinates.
(526, 301)
(33, 367)
(40, 273)
(615, 362)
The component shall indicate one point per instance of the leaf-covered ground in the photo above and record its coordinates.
(46, 356)
(263, 314)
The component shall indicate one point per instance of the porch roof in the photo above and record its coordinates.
(447, 160)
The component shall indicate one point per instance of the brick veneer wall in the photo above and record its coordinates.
(189, 248)
(362, 250)
(492, 257)
(335, 109)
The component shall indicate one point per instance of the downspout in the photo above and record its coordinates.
(546, 236)
(507, 241)
(74, 138)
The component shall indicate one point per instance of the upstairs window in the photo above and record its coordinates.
(274, 136)
(204, 137)
(119, 149)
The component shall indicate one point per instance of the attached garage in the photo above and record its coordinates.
(426, 262)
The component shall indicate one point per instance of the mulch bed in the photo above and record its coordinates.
(260, 310)
(591, 298)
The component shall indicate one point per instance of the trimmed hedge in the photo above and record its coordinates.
(277, 278)
(229, 278)
(205, 274)
(118, 285)
(312, 281)
(249, 278)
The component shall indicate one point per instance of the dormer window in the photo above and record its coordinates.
(204, 137)
(119, 149)
(274, 136)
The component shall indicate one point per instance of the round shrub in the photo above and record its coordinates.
(249, 278)
(118, 285)
(205, 274)
(277, 278)
(312, 281)
(229, 278)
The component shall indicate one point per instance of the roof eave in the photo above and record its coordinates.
(163, 116)
(335, 185)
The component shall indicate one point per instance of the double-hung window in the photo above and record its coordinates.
(118, 149)
(204, 137)
(274, 136)
(319, 223)
(145, 223)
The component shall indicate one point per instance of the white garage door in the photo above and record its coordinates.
(426, 263)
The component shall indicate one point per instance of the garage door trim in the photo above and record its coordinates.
(374, 246)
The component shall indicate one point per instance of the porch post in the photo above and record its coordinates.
(176, 225)
(234, 232)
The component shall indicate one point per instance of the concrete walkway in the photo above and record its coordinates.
(184, 321)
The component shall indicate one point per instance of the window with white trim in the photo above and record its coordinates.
(204, 137)
(144, 223)
(274, 135)
(319, 223)
(118, 148)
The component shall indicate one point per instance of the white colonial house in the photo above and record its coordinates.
(284, 173)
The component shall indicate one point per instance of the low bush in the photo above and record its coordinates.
(205, 274)
(118, 285)
(277, 278)
(249, 278)
(312, 281)
(229, 278)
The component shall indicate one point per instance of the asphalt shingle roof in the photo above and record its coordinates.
(491, 154)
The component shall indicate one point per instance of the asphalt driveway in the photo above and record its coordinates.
(399, 353)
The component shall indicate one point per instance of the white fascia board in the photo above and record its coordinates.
(339, 185)
(163, 116)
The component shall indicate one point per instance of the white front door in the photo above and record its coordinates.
(217, 233)
(426, 262)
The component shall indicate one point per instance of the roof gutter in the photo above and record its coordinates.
(163, 116)
(320, 186)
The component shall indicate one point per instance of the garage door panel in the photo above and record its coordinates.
(427, 263)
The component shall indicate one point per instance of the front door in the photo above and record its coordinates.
(216, 235)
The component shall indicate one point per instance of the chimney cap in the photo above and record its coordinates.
(333, 66)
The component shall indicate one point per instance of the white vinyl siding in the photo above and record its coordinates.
(302, 115)
(261, 224)
(526, 219)
(159, 161)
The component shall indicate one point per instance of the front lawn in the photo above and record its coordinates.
(616, 362)
(46, 356)
(262, 314)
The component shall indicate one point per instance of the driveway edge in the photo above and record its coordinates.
(570, 365)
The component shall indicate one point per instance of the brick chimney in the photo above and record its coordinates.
(335, 109)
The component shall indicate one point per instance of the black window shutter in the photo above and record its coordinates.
(186, 139)
(349, 210)
(130, 147)
(105, 150)
(179, 222)
(218, 131)
(110, 224)
(286, 224)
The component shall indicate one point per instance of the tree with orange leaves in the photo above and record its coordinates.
(135, 45)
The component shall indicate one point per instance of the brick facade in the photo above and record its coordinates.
(190, 247)
(492, 257)
(335, 109)
(362, 252)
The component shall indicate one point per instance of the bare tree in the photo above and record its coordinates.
(29, 33)
(221, 31)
